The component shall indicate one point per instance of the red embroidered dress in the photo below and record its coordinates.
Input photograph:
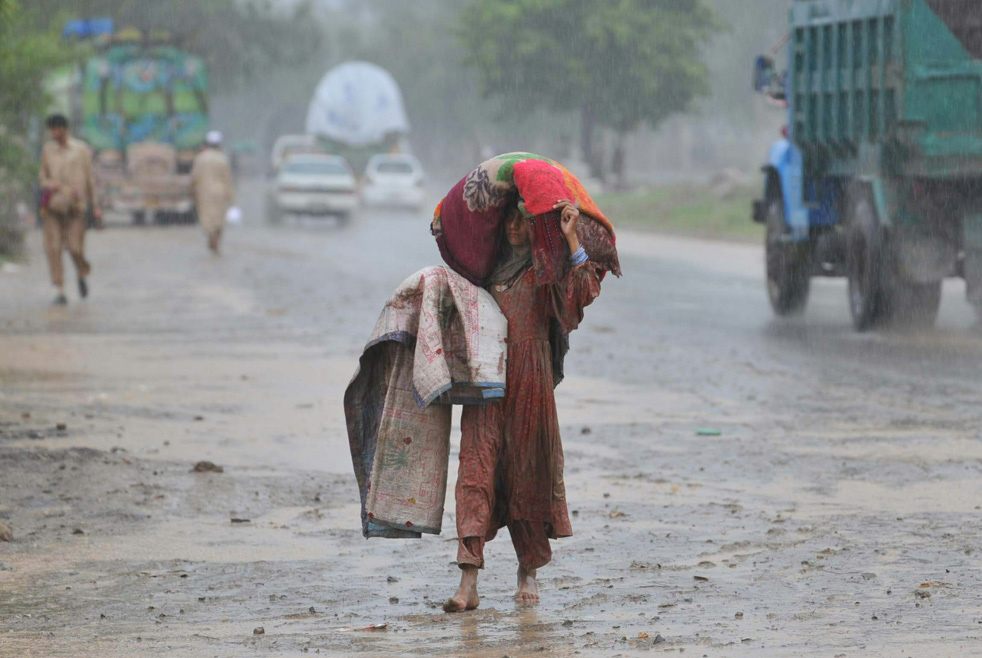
(511, 455)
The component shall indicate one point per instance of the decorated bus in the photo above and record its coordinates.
(141, 103)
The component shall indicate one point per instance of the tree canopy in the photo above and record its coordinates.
(240, 40)
(633, 61)
(620, 62)
(26, 56)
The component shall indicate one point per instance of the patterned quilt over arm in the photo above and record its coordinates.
(439, 341)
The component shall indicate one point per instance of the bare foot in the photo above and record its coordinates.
(466, 597)
(528, 589)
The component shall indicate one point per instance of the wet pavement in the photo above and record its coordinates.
(739, 485)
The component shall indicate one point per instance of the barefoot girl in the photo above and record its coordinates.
(511, 456)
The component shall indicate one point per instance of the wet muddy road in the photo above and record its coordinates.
(836, 513)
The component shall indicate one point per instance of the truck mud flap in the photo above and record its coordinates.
(922, 258)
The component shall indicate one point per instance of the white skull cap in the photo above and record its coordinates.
(213, 138)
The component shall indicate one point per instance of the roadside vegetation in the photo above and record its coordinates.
(696, 210)
(26, 55)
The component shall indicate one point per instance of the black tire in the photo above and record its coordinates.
(139, 217)
(866, 264)
(787, 265)
(878, 295)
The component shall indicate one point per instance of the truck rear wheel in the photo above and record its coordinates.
(788, 264)
(877, 294)
(865, 264)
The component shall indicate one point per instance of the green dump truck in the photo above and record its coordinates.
(880, 176)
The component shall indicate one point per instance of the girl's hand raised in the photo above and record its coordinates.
(569, 219)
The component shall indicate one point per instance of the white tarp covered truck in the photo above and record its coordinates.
(357, 112)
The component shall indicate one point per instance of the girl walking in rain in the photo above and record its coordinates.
(525, 249)
(511, 456)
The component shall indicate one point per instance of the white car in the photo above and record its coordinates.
(287, 146)
(394, 180)
(311, 184)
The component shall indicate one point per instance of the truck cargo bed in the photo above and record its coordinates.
(887, 85)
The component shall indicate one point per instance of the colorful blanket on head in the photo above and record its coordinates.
(467, 223)
(439, 341)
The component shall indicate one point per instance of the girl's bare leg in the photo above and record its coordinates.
(528, 588)
(466, 597)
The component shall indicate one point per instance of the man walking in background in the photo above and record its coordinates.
(211, 184)
(67, 189)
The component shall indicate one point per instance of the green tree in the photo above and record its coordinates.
(620, 63)
(26, 56)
